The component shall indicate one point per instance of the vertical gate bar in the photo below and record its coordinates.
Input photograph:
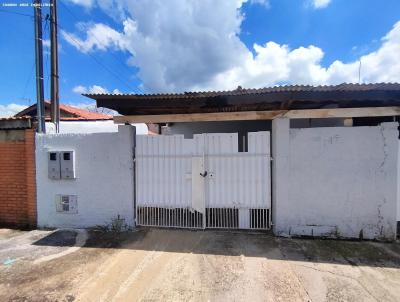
(225, 224)
(264, 220)
(176, 216)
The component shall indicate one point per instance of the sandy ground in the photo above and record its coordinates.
(182, 265)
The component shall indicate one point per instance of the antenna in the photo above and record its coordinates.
(359, 72)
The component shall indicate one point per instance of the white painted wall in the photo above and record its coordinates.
(91, 127)
(335, 181)
(398, 186)
(104, 183)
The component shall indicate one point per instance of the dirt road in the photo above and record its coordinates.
(181, 265)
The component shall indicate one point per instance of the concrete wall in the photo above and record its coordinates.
(337, 181)
(398, 186)
(104, 178)
(239, 127)
(91, 127)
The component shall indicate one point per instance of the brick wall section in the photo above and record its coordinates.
(17, 181)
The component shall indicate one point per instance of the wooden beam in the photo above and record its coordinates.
(343, 112)
(260, 115)
(200, 117)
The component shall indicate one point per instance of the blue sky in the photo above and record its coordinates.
(171, 46)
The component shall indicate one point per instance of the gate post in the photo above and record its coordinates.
(280, 171)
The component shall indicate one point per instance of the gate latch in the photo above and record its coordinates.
(204, 174)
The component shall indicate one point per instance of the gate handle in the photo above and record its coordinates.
(204, 174)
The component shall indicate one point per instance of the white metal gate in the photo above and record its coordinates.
(204, 182)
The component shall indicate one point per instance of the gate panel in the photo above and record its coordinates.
(238, 191)
(204, 181)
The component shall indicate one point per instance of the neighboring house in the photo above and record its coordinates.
(74, 120)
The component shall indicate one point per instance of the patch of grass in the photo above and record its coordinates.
(362, 252)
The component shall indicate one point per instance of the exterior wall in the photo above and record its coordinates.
(91, 127)
(317, 122)
(398, 186)
(17, 178)
(104, 178)
(239, 127)
(338, 181)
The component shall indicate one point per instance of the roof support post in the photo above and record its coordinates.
(280, 172)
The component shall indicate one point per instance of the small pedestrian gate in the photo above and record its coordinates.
(204, 182)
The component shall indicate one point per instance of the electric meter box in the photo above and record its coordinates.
(54, 166)
(67, 159)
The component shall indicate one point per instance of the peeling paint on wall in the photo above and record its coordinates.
(342, 183)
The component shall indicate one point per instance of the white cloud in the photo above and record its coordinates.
(195, 45)
(99, 37)
(91, 89)
(79, 89)
(320, 3)
(264, 3)
(11, 109)
(84, 3)
(46, 43)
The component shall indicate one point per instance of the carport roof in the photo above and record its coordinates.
(240, 99)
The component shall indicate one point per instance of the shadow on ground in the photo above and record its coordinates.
(228, 243)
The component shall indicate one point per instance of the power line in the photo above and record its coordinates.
(114, 56)
(28, 80)
(15, 13)
(98, 62)
(79, 43)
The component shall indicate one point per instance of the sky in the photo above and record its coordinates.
(149, 46)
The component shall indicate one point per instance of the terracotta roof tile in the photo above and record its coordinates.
(82, 114)
(77, 114)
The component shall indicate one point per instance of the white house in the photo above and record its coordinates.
(299, 160)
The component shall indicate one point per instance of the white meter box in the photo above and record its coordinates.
(67, 164)
(54, 165)
(61, 164)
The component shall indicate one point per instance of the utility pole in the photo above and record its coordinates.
(37, 7)
(55, 102)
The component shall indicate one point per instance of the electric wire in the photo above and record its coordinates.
(79, 43)
(123, 64)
